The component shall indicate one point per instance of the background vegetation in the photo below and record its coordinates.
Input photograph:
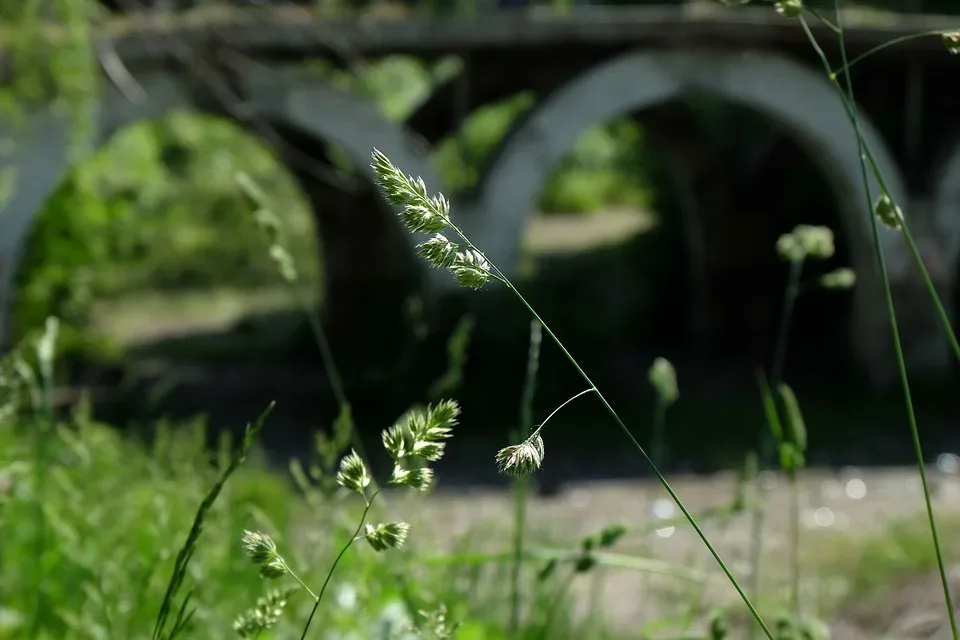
(92, 516)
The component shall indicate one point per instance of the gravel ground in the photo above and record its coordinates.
(836, 507)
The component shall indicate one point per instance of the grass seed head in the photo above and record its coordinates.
(439, 251)
(419, 479)
(387, 536)
(259, 547)
(842, 278)
(888, 213)
(471, 269)
(353, 473)
(663, 377)
(264, 616)
(789, 8)
(522, 459)
(262, 551)
(816, 241)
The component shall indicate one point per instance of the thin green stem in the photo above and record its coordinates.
(845, 69)
(565, 403)
(848, 99)
(659, 423)
(822, 18)
(786, 321)
(555, 604)
(850, 108)
(633, 441)
(790, 294)
(329, 364)
(656, 454)
(302, 583)
(795, 545)
(521, 483)
(326, 354)
(932, 290)
(333, 567)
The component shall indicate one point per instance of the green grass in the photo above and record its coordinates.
(108, 533)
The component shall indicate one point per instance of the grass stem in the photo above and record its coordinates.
(631, 438)
(521, 483)
(849, 104)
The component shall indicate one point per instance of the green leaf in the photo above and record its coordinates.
(770, 408)
(797, 429)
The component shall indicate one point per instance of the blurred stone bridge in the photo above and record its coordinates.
(585, 67)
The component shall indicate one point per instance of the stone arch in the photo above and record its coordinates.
(946, 202)
(39, 148)
(791, 94)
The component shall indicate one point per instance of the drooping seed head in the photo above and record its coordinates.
(522, 459)
(273, 569)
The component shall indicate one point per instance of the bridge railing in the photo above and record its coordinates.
(482, 7)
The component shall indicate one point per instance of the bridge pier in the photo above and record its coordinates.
(368, 273)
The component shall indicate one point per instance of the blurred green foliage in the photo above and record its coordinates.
(157, 207)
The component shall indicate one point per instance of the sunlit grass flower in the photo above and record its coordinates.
(422, 213)
(387, 536)
(353, 473)
(262, 551)
(522, 459)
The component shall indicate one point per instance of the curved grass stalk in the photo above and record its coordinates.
(845, 69)
(356, 536)
(865, 158)
(423, 213)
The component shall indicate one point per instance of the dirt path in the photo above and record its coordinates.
(837, 510)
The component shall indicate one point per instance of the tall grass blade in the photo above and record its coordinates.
(849, 103)
(189, 547)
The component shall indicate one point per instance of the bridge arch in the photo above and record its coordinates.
(786, 91)
(39, 159)
(946, 201)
